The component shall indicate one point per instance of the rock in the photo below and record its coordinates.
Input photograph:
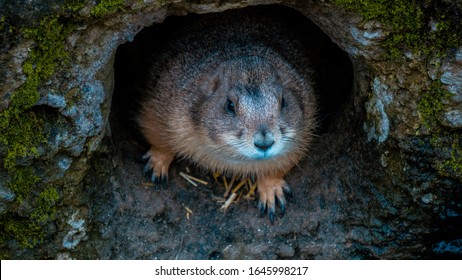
(6, 195)
(380, 126)
(453, 247)
(452, 119)
(452, 75)
(285, 251)
(77, 232)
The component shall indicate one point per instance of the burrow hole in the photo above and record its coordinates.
(333, 68)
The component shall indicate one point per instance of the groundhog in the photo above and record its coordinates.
(233, 93)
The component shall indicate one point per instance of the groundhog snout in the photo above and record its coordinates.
(263, 139)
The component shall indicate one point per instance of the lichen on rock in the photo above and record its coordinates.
(378, 128)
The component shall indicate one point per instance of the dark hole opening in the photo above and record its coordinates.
(333, 70)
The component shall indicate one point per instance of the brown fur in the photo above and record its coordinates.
(252, 61)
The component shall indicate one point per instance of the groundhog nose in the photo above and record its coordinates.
(263, 140)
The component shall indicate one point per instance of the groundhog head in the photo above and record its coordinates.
(256, 111)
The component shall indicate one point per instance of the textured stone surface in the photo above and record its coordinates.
(381, 181)
(451, 77)
(376, 108)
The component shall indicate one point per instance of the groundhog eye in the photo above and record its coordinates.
(230, 107)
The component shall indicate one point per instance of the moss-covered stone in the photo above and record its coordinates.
(106, 7)
(451, 166)
(49, 51)
(27, 233)
(424, 26)
(455, 162)
(44, 208)
(446, 141)
(29, 230)
(22, 181)
(431, 105)
(22, 127)
(21, 131)
(74, 5)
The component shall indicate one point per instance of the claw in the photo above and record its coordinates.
(148, 174)
(155, 179)
(152, 176)
(261, 208)
(159, 181)
(271, 191)
(282, 203)
(164, 181)
(271, 215)
(156, 169)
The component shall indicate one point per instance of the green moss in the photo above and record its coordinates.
(431, 104)
(47, 54)
(411, 23)
(21, 136)
(106, 7)
(74, 5)
(21, 132)
(448, 142)
(4, 253)
(20, 128)
(29, 231)
(2, 23)
(102, 8)
(22, 182)
(49, 51)
(448, 147)
(44, 208)
(454, 163)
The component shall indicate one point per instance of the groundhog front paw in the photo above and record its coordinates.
(270, 189)
(156, 168)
